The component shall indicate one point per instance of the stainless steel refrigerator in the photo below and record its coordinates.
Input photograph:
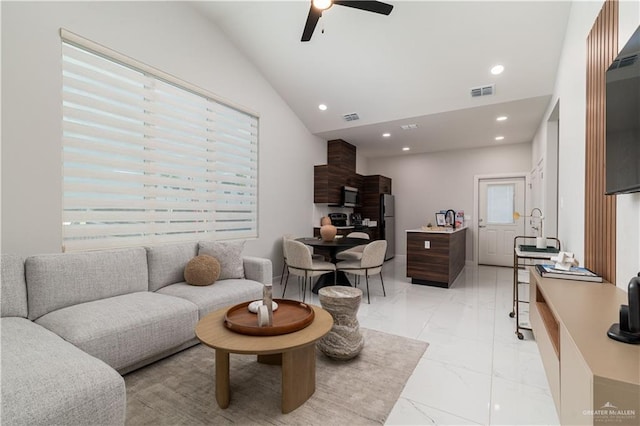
(388, 224)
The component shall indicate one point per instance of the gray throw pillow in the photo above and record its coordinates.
(228, 253)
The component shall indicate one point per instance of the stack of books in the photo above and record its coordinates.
(574, 273)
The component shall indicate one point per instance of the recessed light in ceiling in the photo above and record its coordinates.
(499, 138)
(406, 148)
(497, 69)
(322, 107)
(386, 135)
(502, 118)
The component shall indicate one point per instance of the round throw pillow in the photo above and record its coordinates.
(202, 270)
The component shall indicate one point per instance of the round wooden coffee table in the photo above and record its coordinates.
(295, 352)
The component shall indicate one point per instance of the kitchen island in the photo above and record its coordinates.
(435, 256)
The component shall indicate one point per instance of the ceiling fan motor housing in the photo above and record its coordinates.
(317, 6)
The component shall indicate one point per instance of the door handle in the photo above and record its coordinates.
(482, 226)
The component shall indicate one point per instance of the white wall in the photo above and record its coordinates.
(426, 183)
(544, 173)
(570, 90)
(170, 36)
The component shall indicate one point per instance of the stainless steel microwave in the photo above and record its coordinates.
(350, 196)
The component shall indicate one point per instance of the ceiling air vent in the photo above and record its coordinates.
(351, 117)
(409, 126)
(483, 91)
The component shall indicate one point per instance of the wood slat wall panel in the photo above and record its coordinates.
(600, 209)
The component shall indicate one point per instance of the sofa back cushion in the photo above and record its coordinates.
(14, 287)
(55, 281)
(228, 254)
(167, 263)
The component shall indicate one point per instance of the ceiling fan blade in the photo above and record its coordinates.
(312, 21)
(369, 6)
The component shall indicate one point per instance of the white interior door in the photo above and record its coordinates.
(498, 199)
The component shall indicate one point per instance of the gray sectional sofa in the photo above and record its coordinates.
(73, 323)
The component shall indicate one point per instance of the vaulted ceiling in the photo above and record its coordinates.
(415, 66)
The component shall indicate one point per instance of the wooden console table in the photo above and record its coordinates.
(593, 379)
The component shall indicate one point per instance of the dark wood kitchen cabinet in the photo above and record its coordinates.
(377, 184)
(326, 184)
(341, 154)
(328, 179)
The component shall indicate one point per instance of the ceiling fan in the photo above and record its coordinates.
(317, 6)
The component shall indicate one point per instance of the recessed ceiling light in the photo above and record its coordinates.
(499, 138)
(386, 135)
(497, 69)
(322, 107)
(502, 118)
(406, 148)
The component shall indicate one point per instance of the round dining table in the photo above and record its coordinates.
(334, 246)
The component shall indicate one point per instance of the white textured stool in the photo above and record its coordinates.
(344, 341)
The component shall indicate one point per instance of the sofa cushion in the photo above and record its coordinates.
(222, 293)
(124, 330)
(47, 381)
(167, 263)
(228, 253)
(13, 287)
(202, 270)
(55, 281)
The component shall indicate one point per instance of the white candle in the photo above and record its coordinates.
(263, 316)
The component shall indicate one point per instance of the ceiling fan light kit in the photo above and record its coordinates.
(317, 6)
(322, 4)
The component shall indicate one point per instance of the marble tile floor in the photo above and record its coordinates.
(475, 370)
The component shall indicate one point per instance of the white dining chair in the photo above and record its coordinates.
(370, 264)
(301, 264)
(286, 237)
(354, 253)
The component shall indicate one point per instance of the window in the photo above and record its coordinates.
(148, 158)
(500, 199)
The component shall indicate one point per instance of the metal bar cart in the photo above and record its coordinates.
(525, 255)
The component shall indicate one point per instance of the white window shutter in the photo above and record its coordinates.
(147, 160)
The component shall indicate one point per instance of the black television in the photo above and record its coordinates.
(623, 120)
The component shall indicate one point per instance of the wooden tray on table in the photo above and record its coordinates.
(290, 316)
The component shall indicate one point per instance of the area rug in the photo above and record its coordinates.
(180, 389)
